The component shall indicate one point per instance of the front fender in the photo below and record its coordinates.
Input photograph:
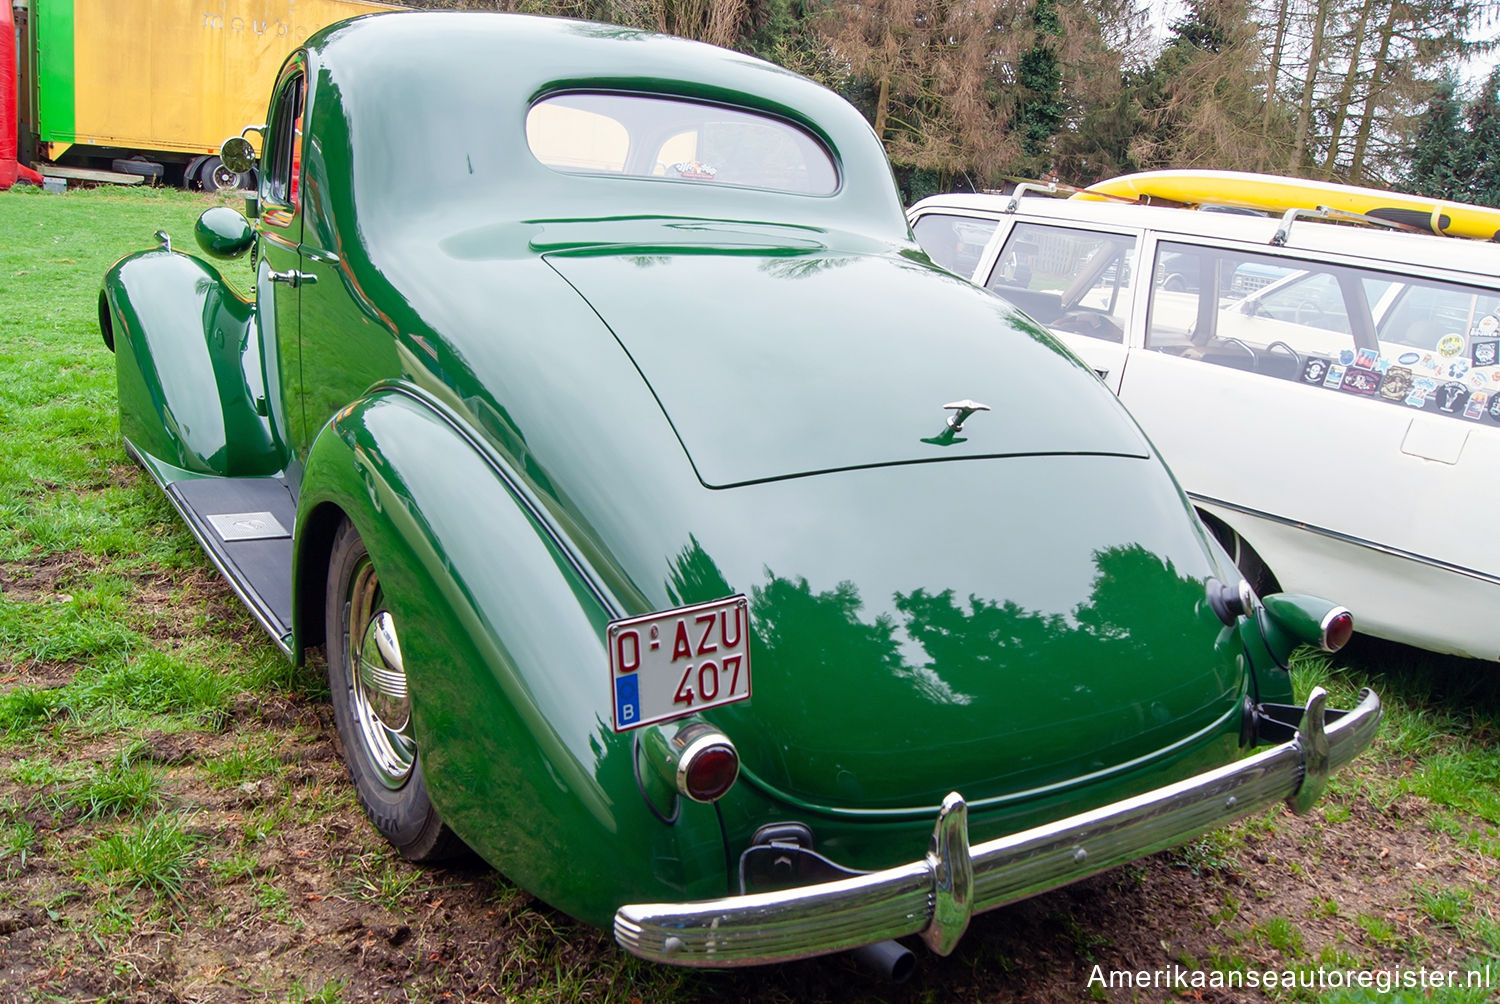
(188, 361)
(502, 639)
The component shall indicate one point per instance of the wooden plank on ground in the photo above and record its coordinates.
(87, 174)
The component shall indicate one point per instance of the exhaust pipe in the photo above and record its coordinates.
(890, 959)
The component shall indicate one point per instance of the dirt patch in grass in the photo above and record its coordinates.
(44, 577)
(182, 602)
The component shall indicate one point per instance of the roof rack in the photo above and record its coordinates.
(1326, 214)
(1040, 188)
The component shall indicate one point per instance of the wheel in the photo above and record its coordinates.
(372, 707)
(191, 170)
(215, 177)
(140, 167)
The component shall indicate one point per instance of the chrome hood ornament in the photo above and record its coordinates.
(961, 412)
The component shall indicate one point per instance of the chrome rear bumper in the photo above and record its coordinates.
(936, 895)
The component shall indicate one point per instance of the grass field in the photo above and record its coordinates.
(175, 823)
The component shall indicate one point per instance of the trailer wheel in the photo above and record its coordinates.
(141, 167)
(215, 177)
(190, 173)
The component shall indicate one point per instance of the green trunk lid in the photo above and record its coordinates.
(753, 397)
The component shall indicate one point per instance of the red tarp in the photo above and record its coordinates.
(10, 170)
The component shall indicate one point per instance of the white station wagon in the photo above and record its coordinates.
(1327, 394)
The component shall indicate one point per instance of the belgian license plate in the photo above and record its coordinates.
(669, 664)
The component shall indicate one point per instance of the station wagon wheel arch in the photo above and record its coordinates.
(1245, 557)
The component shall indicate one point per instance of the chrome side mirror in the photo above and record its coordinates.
(237, 154)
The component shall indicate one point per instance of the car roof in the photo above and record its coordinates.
(1376, 244)
(430, 107)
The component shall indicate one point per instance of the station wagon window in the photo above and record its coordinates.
(954, 242)
(1404, 340)
(1071, 280)
(632, 135)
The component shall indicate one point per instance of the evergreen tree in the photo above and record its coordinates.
(1481, 162)
(1438, 147)
(1039, 110)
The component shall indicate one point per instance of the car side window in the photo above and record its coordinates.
(1401, 340)
(954, 242)
(1253, 312)
(1072, 280)
(282, 161)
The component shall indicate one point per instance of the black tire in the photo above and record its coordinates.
(190, 172)
(373, 721)
(213, 176)
(140, 167)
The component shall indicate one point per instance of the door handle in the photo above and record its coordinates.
(292, 277)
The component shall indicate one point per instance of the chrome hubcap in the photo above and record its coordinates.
(377, 682)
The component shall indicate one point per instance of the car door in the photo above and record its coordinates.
(278, 274)
(1078, 282)
(1296, 391)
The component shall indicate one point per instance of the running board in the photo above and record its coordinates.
(245, 526)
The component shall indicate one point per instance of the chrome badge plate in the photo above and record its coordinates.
(672, 663)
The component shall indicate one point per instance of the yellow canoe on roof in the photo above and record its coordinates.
(1273, 193)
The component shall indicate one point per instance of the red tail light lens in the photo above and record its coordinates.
(708, 768)
(1338, 628)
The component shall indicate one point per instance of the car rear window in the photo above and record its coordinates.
(636, 136)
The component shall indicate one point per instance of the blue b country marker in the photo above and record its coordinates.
(627, 699)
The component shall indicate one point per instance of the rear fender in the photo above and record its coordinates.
(188, 362)
(502, 637)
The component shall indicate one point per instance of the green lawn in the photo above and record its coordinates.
(175, 821)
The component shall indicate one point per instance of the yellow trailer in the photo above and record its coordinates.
(152, 87)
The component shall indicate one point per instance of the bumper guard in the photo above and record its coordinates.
(936, 895)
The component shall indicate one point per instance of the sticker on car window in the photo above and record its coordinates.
(694, 170)
(1315, 369)
(1450, 345)
(1451, 396)
(1358, 381)
(1486, 353)
(1396, 384)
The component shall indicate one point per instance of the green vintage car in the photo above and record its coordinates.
(681, 539)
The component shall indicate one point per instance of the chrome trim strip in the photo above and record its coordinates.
(252, 603)
(928, 896)
(1447, 566)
